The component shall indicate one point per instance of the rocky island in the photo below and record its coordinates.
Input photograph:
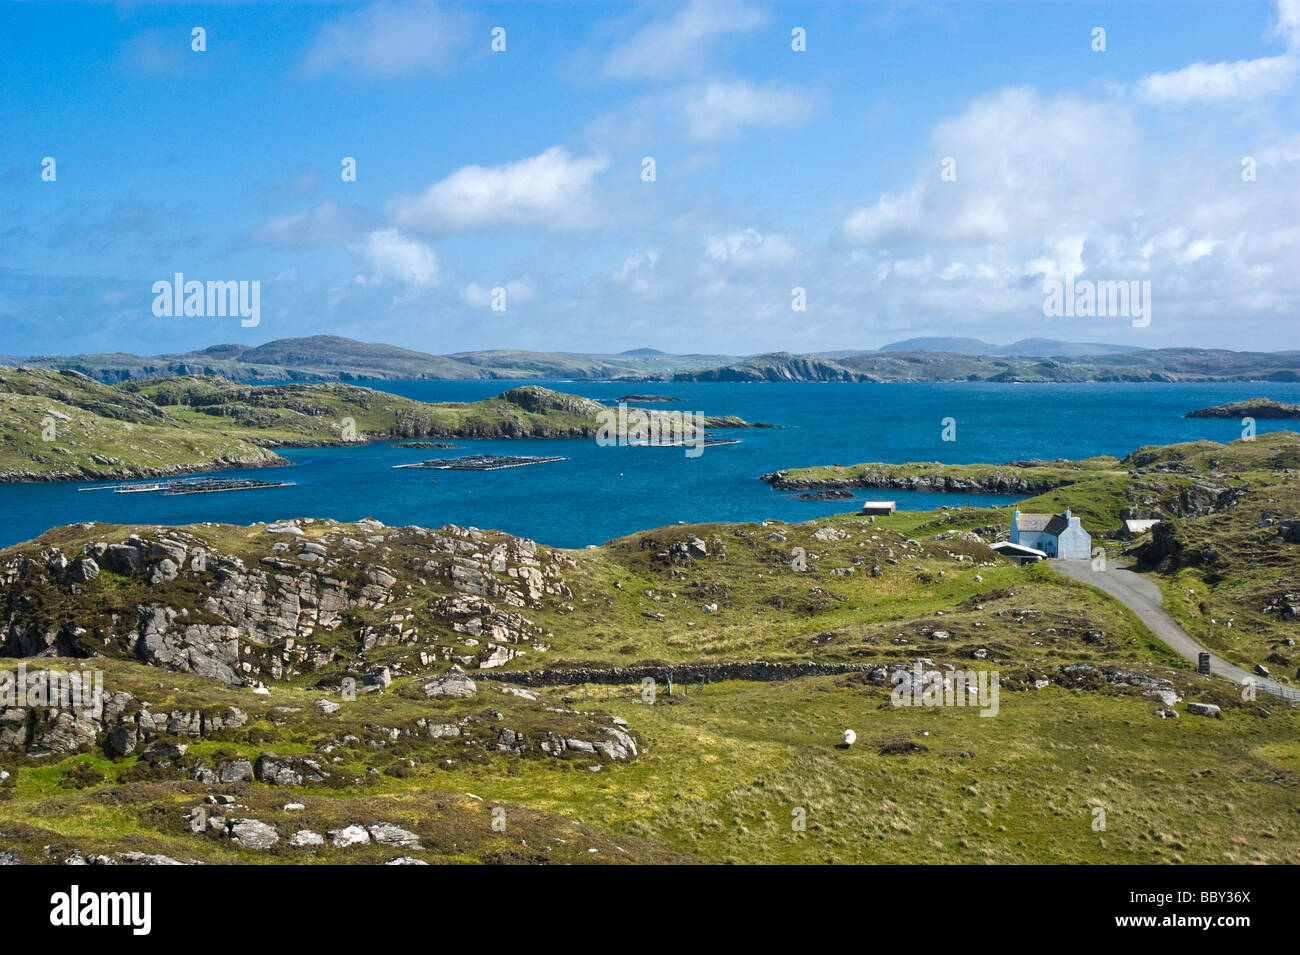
(1250, 408)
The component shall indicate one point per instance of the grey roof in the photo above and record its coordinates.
(1048, 523)
(1056, 525)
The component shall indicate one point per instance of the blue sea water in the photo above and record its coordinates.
(604, 492)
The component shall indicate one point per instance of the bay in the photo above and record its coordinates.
(604, 492)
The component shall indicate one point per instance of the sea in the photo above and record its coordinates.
(600, 493)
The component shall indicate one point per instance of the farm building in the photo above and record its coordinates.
(1056, 535)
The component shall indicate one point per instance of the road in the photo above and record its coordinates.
(1143, 598)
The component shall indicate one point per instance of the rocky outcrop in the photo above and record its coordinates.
(1167, 552)
(274, 613)
(115, 720)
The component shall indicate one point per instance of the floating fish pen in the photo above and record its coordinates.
(126, 488)
(216, 485)
(479, 462)
(197, 486)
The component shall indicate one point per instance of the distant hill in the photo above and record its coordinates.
(316, 358)
(332, 358)
(643, 351)
(1026, 347)
(779, 366)
(957, 346)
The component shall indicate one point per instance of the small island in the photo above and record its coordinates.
(1250, 408)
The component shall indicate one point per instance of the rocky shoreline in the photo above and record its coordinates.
(129, 473)
(996, 483)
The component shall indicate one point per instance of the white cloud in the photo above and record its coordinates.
(1287, 23)
(392, 257)
(638, 271)
(1211, 83)
(550, 191)
(681, 43)
(1049, 185)
(722, 109)
(326, 224)
(1219, 82)
(388, 40)
(1025, 165)
(749, 247)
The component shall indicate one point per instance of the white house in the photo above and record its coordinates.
(1056, 535)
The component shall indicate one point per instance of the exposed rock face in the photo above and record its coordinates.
(287, 770)
(272, 614)
(206, 649)
(234, 771)
(116, 718)
(1167, 552)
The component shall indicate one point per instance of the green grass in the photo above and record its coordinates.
(723, 769)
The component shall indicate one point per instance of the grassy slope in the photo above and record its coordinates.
(90, 419)
(1231, 563)
(721, 772)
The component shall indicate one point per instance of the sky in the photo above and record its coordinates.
(913, 170)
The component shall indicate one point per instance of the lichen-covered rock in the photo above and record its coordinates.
(393, 835)
(252, 834)
(454, 683)
(348, 836)
(305, 838)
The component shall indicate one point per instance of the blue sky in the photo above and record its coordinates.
(522, 170)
